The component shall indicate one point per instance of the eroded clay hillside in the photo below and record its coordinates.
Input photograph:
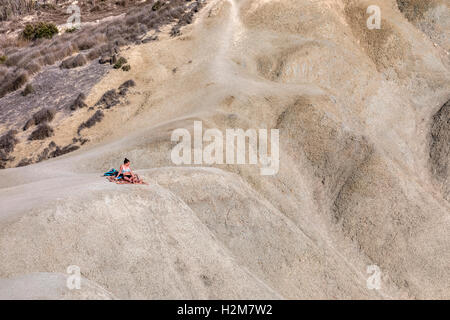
(363, 117)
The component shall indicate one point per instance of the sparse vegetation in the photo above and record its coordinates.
(109, 99)
(74, 62)
(24, 162)
(184, 18)
(127, 84)
(126, 67)
(85, 43)
(97, 117)
(79, 102)
(28, 124)
(32, 67)
(23, 57)
(60, 151)
(41, 132)
(80, 140)
(175, 31)
(12, 81)
(53, 150)
(123, 88)
(8, 141)
(45, 154)
(44, 115)
(12, 8)
(3, 157)
(28, 90)
(40, 117)
(104, 60)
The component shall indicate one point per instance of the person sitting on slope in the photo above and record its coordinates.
(127, 173)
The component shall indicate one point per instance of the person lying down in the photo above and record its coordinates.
(125, 175)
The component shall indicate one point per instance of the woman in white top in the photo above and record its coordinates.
(127, 173)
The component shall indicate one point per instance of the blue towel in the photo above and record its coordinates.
(113, 173)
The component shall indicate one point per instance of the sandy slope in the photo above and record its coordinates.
(355, 186)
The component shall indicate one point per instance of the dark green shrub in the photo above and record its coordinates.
(126, 67)
(46, 30)
(39, 30)
(28, 32)
(71, 30)
(120, 63)
(3, 59)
